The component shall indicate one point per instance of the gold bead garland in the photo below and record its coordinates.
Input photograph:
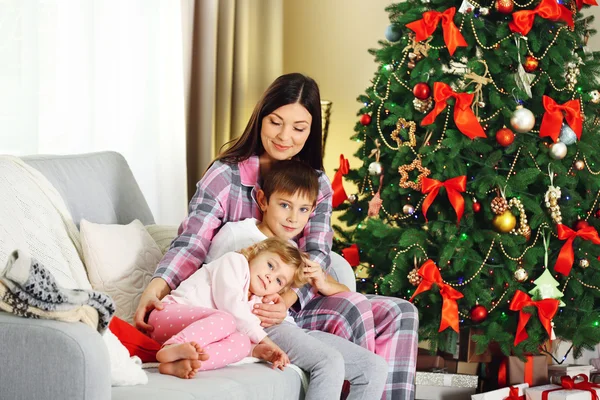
(523, 229)
(540, 58)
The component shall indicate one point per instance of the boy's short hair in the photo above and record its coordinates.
(289, 253)
(291, 177)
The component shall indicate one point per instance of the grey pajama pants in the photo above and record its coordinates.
(329, 360)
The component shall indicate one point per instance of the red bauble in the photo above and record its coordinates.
(505, 137)
(580, 224)
(478, 313)
(422, 91)
(598, 213)
(530, 64)
(477, 207)
(504, 6)
(365, 119)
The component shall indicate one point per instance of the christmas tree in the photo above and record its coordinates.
(479, 139)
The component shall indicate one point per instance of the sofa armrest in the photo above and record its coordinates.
(342, 272)
(44, 359)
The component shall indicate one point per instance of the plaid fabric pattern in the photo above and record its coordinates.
(387, 324)
(227, 192)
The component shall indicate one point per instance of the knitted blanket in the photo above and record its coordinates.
(29, 290)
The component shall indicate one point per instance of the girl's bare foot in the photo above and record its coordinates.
(183, 351)
(184, 369)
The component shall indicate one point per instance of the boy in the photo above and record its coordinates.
(287, 199)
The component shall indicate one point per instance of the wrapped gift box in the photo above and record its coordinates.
(556, 371)
(535, 367)
(461, 367)
(439, 386)
(535, 393)
(501, 394)
(429, 362)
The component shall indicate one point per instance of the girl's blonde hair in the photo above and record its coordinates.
(289, 254)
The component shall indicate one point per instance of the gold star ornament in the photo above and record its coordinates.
(405, 169)
(410, 127)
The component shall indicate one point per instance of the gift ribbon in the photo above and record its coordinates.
(553, 117)
(502, 372)
(546, 310)
(513, 394)
(339, 194)
(351, 255)
(565, 259)
(454, 188)
(431, 274)
(549, 9)
(568, 383)
(580, 3)
(528, 373)
(464, 118)
(427, 25)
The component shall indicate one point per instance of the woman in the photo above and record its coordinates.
(286, 123)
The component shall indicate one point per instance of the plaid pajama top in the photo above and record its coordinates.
(227, 193)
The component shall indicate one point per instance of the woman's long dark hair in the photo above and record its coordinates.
(287, 89)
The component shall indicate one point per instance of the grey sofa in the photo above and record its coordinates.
(41, 359)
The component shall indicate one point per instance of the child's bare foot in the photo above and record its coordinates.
(183, 351)
(184, 369)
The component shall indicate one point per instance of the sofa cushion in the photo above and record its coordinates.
(120, 260)
(242, 382)
(163, 235)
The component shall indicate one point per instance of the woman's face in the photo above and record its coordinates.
(285, 131)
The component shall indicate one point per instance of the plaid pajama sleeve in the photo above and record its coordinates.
(317, 237)
(189, 249)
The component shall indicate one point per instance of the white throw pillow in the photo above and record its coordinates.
(163, 235)
(120, 261)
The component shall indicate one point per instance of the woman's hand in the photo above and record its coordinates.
(315, 275)
(150, 300)
(271, 314)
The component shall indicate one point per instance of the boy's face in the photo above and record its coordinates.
(285, 215)
(269, 274)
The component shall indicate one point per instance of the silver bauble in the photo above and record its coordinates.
(521, 274)
(408, 209)
(584, 263)
(567, 136)
(558, 150)
(595, 94)
(375, 168)
(352, 198)
(522, 120)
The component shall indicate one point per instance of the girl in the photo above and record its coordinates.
(210, 313)
(286, 123)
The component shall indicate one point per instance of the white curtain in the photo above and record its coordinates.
(82, 76)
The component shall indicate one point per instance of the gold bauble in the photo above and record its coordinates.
(521, 274)
(579, 165)
(504, 222)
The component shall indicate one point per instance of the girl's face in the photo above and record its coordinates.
(285, 131)
(269, 274)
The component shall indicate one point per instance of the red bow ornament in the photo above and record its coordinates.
(549, 9)
(580, 3)
(339, 194)
(568, 383)
(454, 188)
(464, 118)
(546, 310)
(553, 117)
(565, 259)
(431, 274)
(427, 25)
